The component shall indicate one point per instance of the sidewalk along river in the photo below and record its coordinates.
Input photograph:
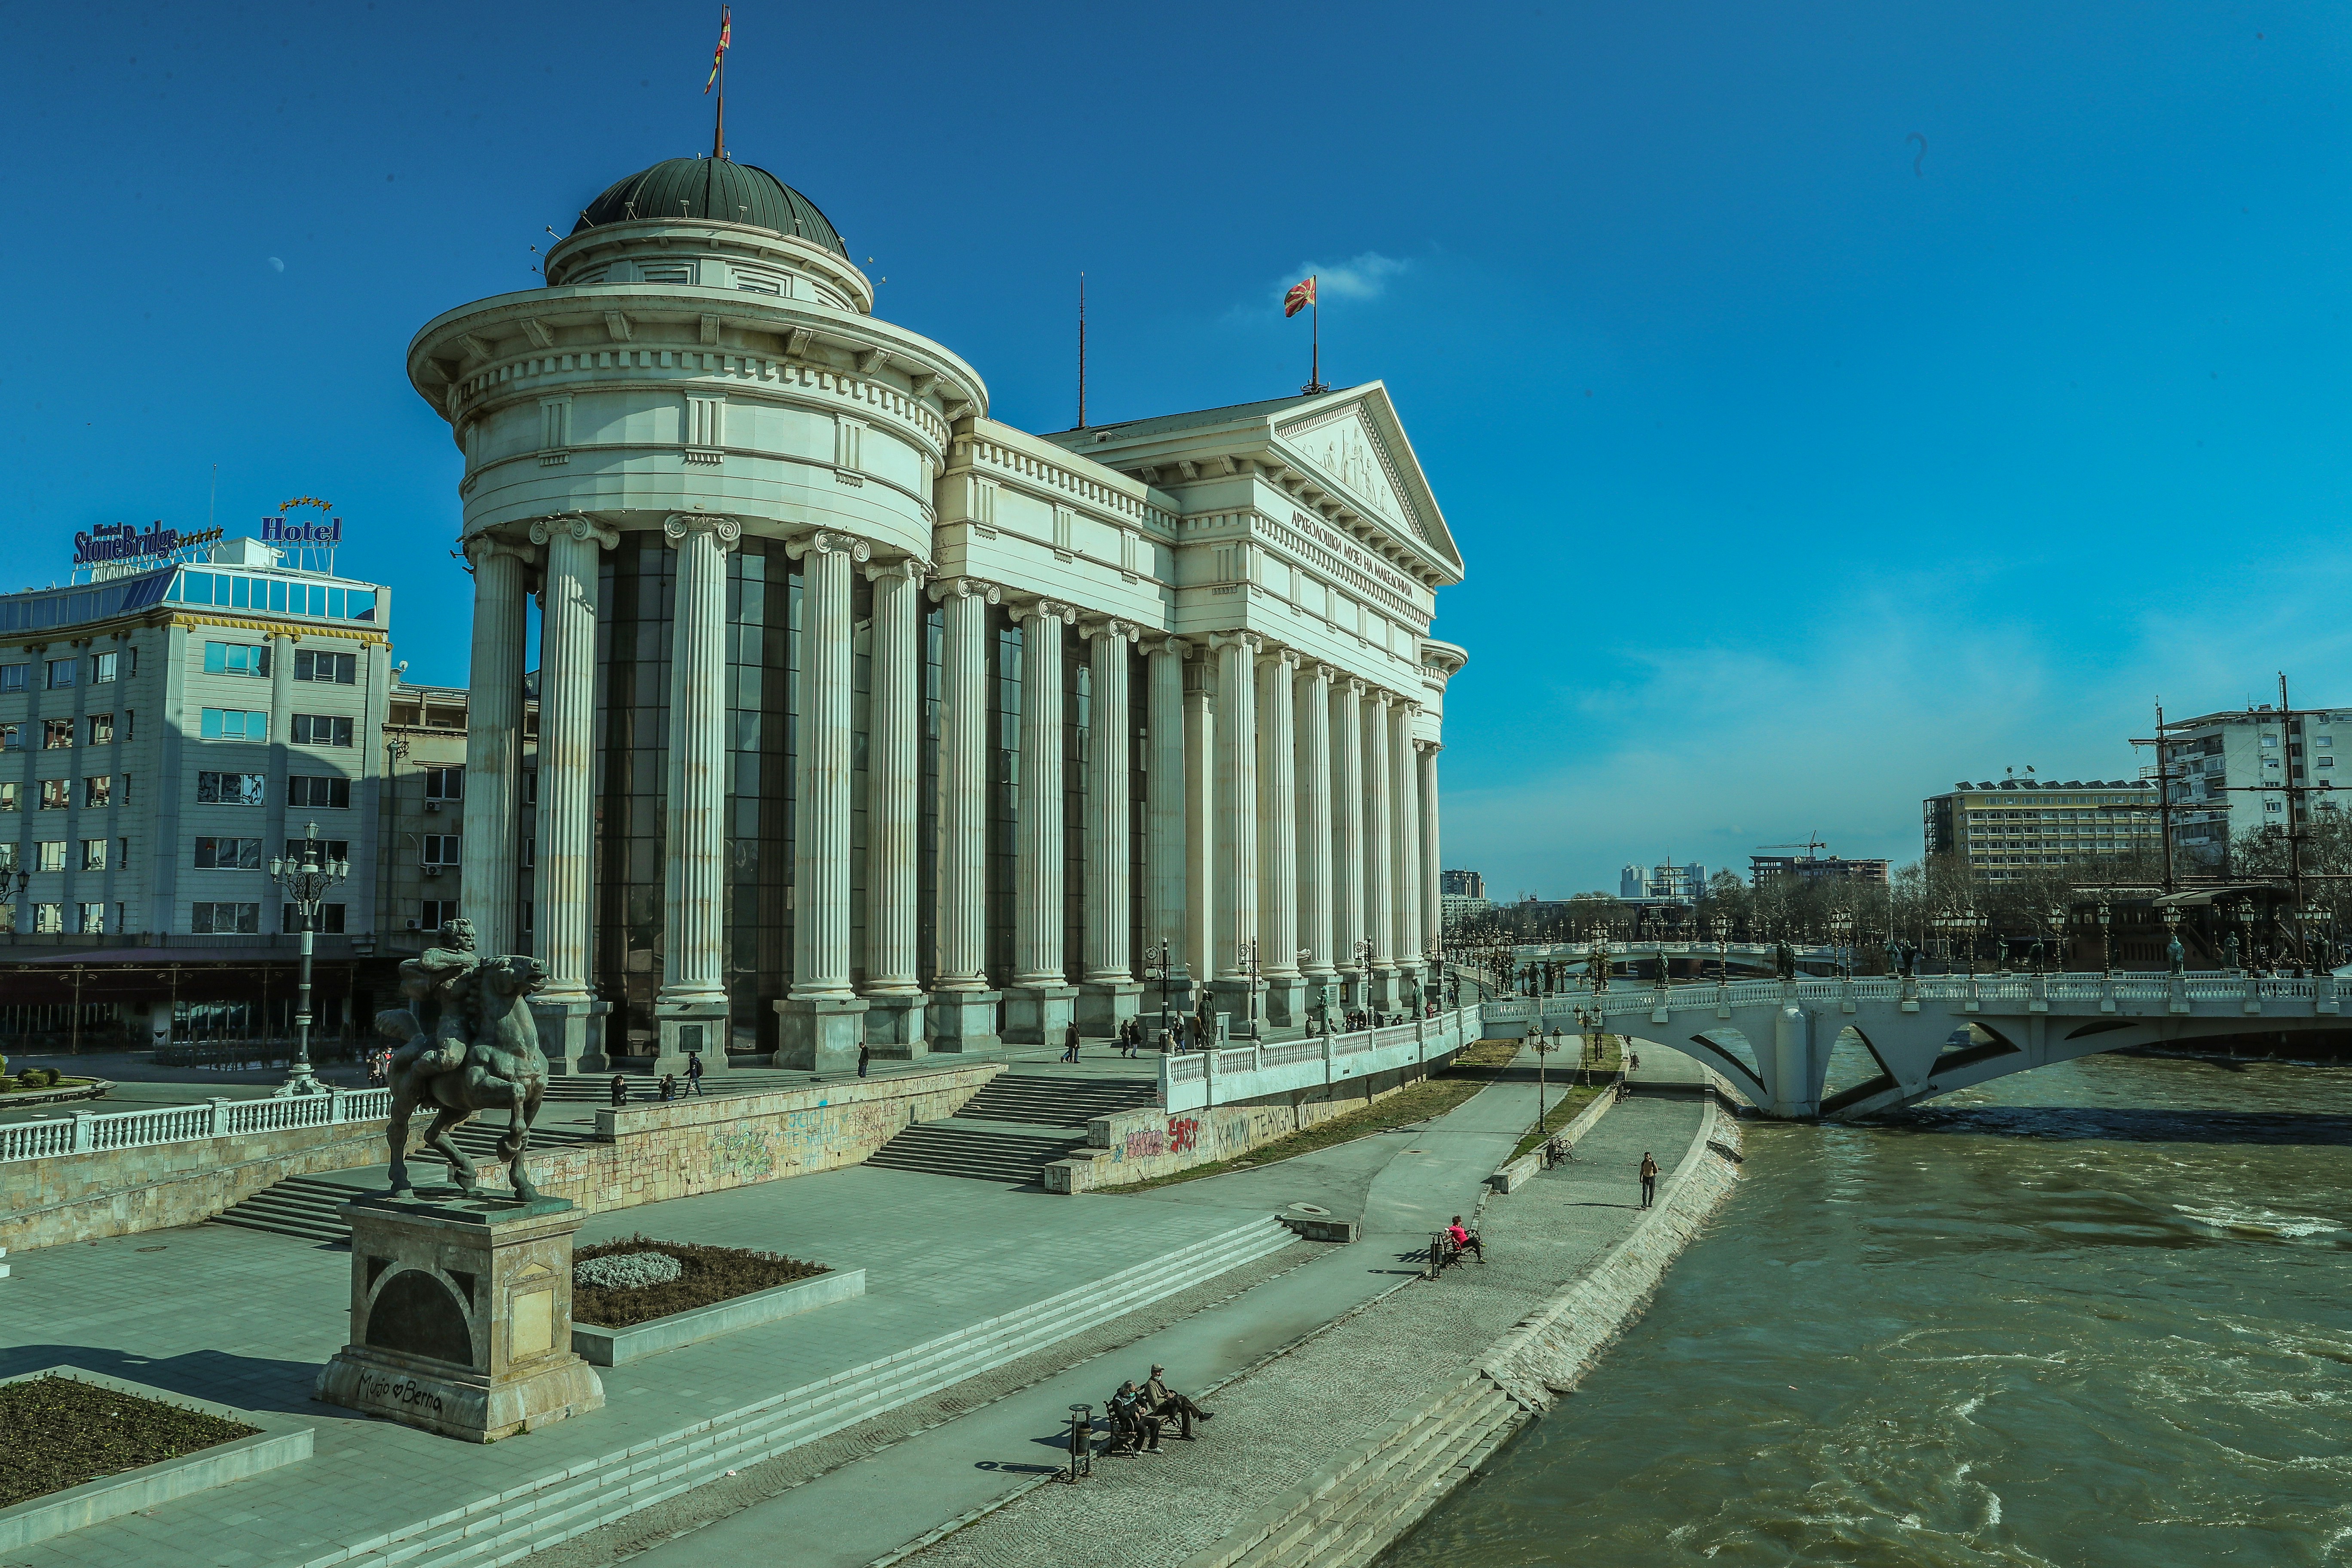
(2099, 1313)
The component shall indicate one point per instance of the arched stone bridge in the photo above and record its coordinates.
(1773, 1039)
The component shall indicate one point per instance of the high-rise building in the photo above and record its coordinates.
(2001, 829)
(1462, 884)
(1682, 884)
(2222, 762)
(1763, 869)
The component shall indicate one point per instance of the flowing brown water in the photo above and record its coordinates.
(2100, 1313)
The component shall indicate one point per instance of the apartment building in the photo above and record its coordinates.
(2001, 830)
(421, 817)
(2229, 772)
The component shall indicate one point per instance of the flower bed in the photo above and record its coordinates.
(59, 1432)
(707, 1275)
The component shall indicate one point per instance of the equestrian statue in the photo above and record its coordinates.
(469, 1043)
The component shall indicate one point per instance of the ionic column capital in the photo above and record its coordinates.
(678, 525)
(484, 547)
(1251, 640)
(826, 541)
(1049, 610)
(1289, 658)
(1380, 696)
(1117, 630)
(907, 567)
(967, 588)
(1323, 672)
(1356, 689)
(1412, 709)
(579, 525)
(1176, 646)
(1429, 748)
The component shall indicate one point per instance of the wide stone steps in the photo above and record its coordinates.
(1360, 1509)
(956, 1148)
(503, 1528)
(1056, 1101)
(304, 1206)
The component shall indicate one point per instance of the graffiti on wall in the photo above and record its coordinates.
(743, 1155)
(1180, 1136)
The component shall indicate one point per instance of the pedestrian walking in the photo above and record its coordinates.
(1070, 1042)
(694, 1072)
(1649, 1179)
(864, 1054)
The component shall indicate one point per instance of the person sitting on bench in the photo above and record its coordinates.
(1465, 1240)
(1133, 1428)
(1164, 1402)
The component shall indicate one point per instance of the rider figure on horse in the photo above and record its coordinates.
(443, 985)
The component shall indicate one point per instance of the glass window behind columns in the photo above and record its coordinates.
(1078, 734)
(1004, 665)
(633, 635)
(927, 842)
(764, 656)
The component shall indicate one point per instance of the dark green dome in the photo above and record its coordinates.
(712, 189)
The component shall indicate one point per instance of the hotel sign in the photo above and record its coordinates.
(112, 541)
(288, 530)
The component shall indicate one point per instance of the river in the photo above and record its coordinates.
(2098, 1313)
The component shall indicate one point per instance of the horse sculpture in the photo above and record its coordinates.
(501, 1067)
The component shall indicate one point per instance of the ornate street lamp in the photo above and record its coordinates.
(1163, 961)
(1245, 952)
(2106, 937)
(306, 883)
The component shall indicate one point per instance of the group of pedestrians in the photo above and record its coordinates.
(1140, 1413)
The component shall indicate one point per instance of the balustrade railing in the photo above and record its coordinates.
(1426, 1039)
(86, 1132)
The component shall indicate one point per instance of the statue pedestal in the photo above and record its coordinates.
(461, 1316)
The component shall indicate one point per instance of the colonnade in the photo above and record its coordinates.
(1290, 815)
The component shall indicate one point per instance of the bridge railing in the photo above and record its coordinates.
(1232, 1073)
(85, 1133)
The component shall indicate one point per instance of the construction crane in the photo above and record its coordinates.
(1808, 846)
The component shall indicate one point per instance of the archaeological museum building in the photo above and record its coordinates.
(863, 719)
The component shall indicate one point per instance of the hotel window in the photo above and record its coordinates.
(234, 724)
(61, 672)
(102, 668)
(8, 795)
(432, 914)
(228, 854)
(321, 730)
(445, 784)
(7, 853)
(236, 658)
(11, 678)
(329, 849)
(57, 734)
(93, 854)
(232, 789)
(52, 855)
(331, 919)
(7, 919)
(48, 917)
(307, 789)
(2327, 762)
(55, 793)
(12, 737)
(338, 669)
(101, 729)
(224, 919)
(98, 789)
(441, 848)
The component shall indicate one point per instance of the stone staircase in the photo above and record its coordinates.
(1346, 1517)
(1014, 1128)
(504, 1527)
(304, 1206)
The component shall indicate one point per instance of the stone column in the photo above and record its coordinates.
(823, 1018)
(894, 1014)
(1235, 868)
(1433, 918)
(1379, 830)
(1404, 851)
(963, 1007)
(1038, 1009)
(1166, 917)
(690, 1008)
(1202, 938)
(1109, 995)
(1314, 768)
(1277, 814)
(491, 864)
(571, 1020)
(1348, 927)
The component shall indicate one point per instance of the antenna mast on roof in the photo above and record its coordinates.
(1082, 350)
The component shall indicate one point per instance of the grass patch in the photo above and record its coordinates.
(59, 1432)
(708, 1275)
(1612, 1057)
(1474, 1067)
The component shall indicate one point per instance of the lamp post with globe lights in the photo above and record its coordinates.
(306, 881)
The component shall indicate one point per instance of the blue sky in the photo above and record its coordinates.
(1798, 472)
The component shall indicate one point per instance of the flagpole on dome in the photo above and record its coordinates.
(719, 78)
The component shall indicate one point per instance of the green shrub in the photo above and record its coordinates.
(29, 1079)
(50, 1077)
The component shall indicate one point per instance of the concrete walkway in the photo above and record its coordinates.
(1391, 1182)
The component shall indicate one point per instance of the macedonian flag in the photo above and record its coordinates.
(1301, 295)
(726, 36)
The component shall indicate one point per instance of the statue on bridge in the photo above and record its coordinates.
(2176, 955)
(2229, 951)
(1784, 960)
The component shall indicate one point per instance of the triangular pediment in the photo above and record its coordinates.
(1342, 444)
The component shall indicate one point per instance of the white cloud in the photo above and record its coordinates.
(1364, 277)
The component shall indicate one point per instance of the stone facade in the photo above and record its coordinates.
(1042, 708)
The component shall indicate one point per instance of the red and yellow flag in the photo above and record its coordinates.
(1301, 295)
(726, 36)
